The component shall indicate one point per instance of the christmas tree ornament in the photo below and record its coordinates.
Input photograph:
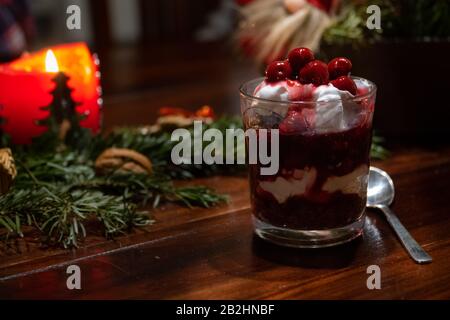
(63, 119)
(171, 118)
(271, 28)
(123, 160)
(7, 170)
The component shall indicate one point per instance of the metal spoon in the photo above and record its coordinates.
(380, 194)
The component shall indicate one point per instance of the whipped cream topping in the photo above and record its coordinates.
(278, 91)
(333, 114)
(330, 113)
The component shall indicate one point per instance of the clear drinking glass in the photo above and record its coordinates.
(318, 196)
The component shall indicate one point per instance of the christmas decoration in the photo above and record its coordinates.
(7, 170)
(63, 185)
(27, 84)
(172, 118)
(63, 119)
(271, 28)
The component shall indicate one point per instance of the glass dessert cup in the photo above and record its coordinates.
(318, 196)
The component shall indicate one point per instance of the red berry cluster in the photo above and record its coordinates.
(301, 65)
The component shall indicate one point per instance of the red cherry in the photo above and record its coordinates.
(345, 83)
(315, 72)
(339, 67)
(299, 57)
(278, 70)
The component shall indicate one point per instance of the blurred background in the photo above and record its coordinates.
(187, 54)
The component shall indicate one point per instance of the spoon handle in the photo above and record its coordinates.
(414, 249)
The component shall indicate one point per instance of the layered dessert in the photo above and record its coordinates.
(324, 120)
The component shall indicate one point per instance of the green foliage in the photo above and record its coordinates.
(403, 19)
(349, 28)
(377, 151)
(60, 215)
(57, 191)
(418, 19)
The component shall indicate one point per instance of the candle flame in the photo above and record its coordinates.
(51, 64)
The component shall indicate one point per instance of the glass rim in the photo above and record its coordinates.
(372, 90)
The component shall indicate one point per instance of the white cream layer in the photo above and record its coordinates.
(302, 181)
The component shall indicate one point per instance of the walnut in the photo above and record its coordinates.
(7, 170)
(122, 160)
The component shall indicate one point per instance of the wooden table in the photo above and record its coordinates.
(212, 253)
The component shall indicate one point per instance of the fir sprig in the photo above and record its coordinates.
(60, 216)
(57, 191)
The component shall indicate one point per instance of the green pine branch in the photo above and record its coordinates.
(58, 192)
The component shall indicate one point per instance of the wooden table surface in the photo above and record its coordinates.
(213, 253)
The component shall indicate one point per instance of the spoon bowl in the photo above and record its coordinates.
(380, 189)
